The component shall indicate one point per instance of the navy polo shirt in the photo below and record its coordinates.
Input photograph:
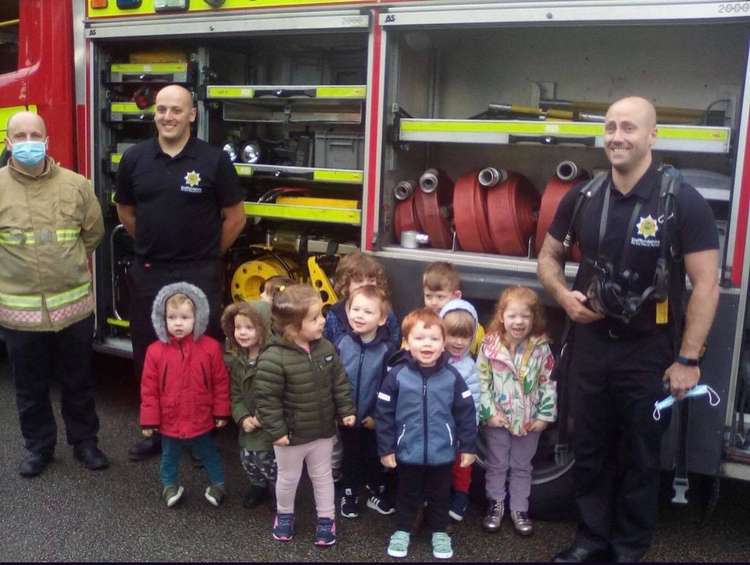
(178, 200)
(696, 231)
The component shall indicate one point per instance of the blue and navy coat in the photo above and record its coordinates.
(365, 365)
(425, 415)
(337, 324)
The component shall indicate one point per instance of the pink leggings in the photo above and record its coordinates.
(317, 456)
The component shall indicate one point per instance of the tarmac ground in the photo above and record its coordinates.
(71, 514)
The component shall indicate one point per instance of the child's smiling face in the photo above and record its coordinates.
(425, 344)
(245, 332)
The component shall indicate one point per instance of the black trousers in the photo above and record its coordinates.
(420, 483)
(360, 464)
(35, 358)
(617, 442)
(148, 278)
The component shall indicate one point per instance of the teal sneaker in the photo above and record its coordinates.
(441, 546)
(399, 544)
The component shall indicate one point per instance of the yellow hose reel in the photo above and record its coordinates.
(249, 277)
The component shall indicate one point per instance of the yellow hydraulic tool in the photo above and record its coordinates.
(320, 281)
(249, 277)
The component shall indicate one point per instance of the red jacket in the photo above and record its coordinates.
(184, 387)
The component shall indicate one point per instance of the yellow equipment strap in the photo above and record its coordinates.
(63, 298)
(118, 323)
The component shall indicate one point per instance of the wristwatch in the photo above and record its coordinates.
(682, 360)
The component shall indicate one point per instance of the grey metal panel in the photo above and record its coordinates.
(559, 12)
(227, 24)
(79, 52)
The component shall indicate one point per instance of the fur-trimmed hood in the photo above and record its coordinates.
(159, 309)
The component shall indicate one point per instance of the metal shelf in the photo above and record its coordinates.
(152, 73)
(129, 112)
(304, 213)
(698, 139)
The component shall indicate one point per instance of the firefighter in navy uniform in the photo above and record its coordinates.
(629, 340)
(181, 201)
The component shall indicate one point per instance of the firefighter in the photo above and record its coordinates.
(50, 223)
(628, 345)
(181, 201)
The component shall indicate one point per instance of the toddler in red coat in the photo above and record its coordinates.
(185, 388)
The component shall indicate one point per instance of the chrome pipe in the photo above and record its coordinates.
(428, 182)
(567, 170)
(490, 176)
(403, 190)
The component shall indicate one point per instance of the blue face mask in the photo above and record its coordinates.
(700, 390)
(29, 153)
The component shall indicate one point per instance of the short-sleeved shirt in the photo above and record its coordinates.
(178, 200)
(695, 230)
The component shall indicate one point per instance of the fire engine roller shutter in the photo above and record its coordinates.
(470, 214)
(512, 208)
(431, 202)
(553, 194)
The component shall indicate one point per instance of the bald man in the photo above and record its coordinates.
(625, 355)
(50, 223)
(180, 199)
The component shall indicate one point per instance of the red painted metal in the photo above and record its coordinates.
(512, 208)
(741, 235)
(45, 72)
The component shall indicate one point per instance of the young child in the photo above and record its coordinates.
(300, 388)
(355, 270)
(460, 321)
(364, 350)
(184, 388)
(246, 335)
(517, 402)
(424, 416)
(441, 283)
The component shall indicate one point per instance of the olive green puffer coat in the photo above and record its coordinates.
(299, 394)
(242, 369)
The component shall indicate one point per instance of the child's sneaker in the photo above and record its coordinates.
(521, 522)
(348, 504)
(215, 494)
(399, 544)
(172, 495)
(459, 504)
(441, 546)
(379, 502)
(283, 527)
(325, 533)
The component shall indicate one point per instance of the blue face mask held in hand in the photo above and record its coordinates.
(700, 390)
(29, 153)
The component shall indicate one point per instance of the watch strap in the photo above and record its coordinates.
(682, 360)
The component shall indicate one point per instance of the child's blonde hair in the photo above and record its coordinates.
(290, 307)
(426, 316)
(518, 294)
(177, 300)
(459, 323)
(373, 293)
(243, 309)
(441, 275)
(355, 267)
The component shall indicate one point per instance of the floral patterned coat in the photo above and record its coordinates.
(517, 386)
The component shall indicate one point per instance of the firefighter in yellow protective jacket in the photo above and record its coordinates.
(50, 223)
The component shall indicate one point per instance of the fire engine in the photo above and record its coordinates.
(417, 131)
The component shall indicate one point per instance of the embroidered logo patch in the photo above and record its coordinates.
(647, 228)
(192, 183)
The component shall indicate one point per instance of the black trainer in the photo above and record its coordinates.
(348, 506)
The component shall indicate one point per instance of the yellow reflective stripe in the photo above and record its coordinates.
(18, 238)
(333, 175)
(68, 234)
(358, 92)
(57, 300)
(21, 301)
(148, 67)
(229, 92)
(130, 108)
(304, 213)
(694, 133)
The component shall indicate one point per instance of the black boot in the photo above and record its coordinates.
(254, 496)
(145, 448)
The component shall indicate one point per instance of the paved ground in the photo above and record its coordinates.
(71, 514)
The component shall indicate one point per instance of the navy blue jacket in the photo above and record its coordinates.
(425, 414)
(365, 365)
(337, 324)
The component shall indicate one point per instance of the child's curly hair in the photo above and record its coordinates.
(518, 294)
(354, 267)
(242, 309)
(291, 306)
